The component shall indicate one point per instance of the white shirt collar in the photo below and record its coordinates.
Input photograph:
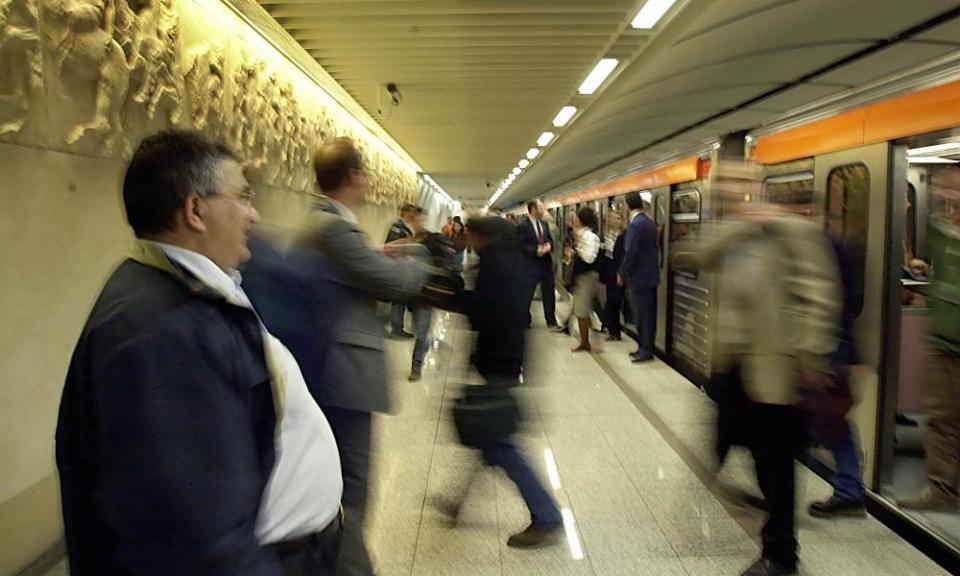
(345, 212)
(635, 213)
(203, 268)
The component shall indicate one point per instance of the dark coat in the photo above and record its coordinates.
(640, 268)
(610, 265)
(529, 241)
(165, 439)
(398, 230)
(497, 309)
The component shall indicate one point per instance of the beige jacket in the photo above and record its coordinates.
(782, 312)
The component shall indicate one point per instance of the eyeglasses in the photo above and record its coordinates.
(244, 196)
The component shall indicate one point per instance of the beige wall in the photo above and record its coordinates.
(61, 223)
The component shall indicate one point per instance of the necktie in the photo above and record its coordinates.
(540, 232)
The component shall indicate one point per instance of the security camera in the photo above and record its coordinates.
(395, 96)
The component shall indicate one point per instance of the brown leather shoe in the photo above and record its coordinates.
(929, 500)
(535, 536)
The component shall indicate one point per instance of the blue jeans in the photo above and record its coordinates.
(543, 510)
(422, 316)
(396, 317)
(847, 484)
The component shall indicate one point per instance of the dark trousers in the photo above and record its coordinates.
(645, 311)
(611, 313)
(397, 312)
(542, 274)
(314, 555)
(352, 429)
(775, 439)
(543, 510)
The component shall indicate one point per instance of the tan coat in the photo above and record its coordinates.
(784, 315)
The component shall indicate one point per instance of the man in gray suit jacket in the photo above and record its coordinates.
(354, 382)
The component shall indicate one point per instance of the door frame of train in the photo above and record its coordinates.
(871, 325)
(663, 289)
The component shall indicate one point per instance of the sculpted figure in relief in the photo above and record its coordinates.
(246, 104)
(20, 62)
(205, 79)
(83, 37)
(157, 58)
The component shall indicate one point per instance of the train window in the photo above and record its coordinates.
(848, 191)
(795, 188)
(910, 226)
(684, 213)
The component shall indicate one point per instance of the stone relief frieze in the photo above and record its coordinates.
(20, 62)
(94, 76)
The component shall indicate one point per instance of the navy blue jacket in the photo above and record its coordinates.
(497, 310)
(640, 268)
(611, 265)
(529, 241)
(165, 438)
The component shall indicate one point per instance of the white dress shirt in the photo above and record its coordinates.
(306, 484)
(345, 212)
(588, 245)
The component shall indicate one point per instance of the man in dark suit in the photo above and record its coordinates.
(354, 384)
(641, 274)
(187, 442)
(536, 243)
(405, 227)
(612, 260)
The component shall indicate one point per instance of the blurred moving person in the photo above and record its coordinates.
(496, 311)
(610, 264)
(187, 441)
(409, 221)
(585, 275)
(536, 242)
(942, 441)
(354, 381)
(641, 274)
(776, 330)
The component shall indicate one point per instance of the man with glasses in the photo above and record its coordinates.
(187, 441)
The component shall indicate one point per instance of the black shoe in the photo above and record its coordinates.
(641, 359)
(902, 420)
(415, 376)
(837, 507)
(535, 536)
(561, 330)
(765, 567)
(402, 335)
(613, 338)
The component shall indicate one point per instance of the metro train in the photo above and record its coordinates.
(865, 160)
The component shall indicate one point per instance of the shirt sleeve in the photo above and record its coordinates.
(588, 245)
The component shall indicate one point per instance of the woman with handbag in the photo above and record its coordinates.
(585, 275)
(488, 415)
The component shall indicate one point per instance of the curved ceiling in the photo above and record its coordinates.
(482, 79)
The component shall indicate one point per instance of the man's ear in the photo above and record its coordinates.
(194, 213)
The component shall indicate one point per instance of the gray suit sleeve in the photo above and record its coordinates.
(360, 266)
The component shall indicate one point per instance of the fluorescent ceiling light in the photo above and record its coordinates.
(930, 160)
(651, 13)
(524, 163)
(533, 153)
(545, 138)
(935, 149)
(564, 116)
(516, 171)
(596, 77)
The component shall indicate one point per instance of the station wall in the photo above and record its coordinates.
(81, 83)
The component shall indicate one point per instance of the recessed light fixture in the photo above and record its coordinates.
(564, 116)
(516, 171)
(545, 138)
(523, 163)
(930, 160)
(533, 153)
(596, 77)
(935, 149)
(651, 13)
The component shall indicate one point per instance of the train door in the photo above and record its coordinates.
(687, 336)
(660, 207)
(853, 186)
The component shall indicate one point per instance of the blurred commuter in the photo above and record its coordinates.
(187, 441)
(355, 377)
(448, 227)
(441, 248)
(410, 220)
(773, 337)
(585, 275)
(610, 263)
(495, 309)
(942, 441)
(536, 242)
(641, 274)
(827, 414)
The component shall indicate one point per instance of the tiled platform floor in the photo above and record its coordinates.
(630, 446)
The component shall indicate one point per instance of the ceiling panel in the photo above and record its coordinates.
(886, 62)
